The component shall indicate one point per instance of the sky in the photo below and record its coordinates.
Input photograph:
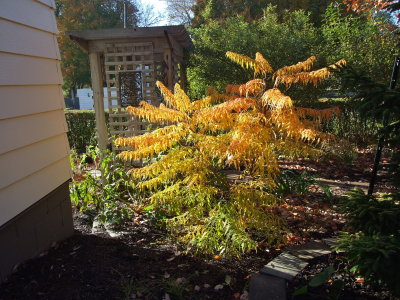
(160, 7)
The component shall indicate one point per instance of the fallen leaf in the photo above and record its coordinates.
(197, 288)
(360, 280)
(244, 296)
(180, 280)
(236, 295)
(171, 259)
(216, 257)
(218, 287)
(166, 275)
(206, 285)
(166, 297)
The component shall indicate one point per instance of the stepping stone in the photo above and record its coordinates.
(310, 250)
(266, 287)
(331, 242)
(97, 227)
(285, 266)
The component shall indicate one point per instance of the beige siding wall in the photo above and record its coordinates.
(34, 149)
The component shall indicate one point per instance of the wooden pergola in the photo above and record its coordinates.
(128, 62)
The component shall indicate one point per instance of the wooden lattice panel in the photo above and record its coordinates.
(130, 76)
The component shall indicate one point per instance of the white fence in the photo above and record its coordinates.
(86, 98)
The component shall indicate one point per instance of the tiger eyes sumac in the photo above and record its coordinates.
(203, 141)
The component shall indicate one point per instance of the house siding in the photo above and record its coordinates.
(34, 150)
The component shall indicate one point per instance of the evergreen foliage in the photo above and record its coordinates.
(374, 250)
(246, 129)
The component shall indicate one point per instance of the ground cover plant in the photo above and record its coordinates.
(246, 129)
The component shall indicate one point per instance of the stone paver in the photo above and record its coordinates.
(310, 250)
(265, 287)
(331, 242)
(271, 282)
(284, 266)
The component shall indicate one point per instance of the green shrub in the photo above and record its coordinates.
(352, 126)
(374, 250)
(81, 129)
(109, 194)
(289, 182)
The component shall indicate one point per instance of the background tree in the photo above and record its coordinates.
(205, 10)
(81, 15)
(283, 42)
(368, 44)
(368, 6)
(180, 11)
(147, 14)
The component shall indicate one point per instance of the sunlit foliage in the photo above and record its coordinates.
(245, 130)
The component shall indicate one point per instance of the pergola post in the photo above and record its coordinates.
(170, 72)
(98, 98)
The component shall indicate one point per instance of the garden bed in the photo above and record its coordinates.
(354, 287)
(143, 263)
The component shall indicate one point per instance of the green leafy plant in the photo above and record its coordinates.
(371, 215)
(321, 279)
(105, 191)
(81, 129)
(374, 250)
(289, 182)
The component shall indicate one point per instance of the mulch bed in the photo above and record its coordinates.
(144, 264)
(354, 287)
(140, 264)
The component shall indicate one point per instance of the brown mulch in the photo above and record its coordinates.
(143, 264)
(140, 264)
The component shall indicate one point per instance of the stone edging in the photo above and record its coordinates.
(271, 282)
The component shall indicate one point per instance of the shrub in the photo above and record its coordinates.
(293, 33)
(289, 182)
(246, 129)
(105, 192)
(81, 129)
(374, 250)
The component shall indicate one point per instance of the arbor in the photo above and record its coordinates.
(245, 129)
(80, 15)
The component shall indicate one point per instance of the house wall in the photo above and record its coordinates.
(34, 150)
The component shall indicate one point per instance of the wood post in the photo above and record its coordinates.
(98, 98)
(170, 70)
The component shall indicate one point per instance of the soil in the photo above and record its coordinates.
(354, 287)
(140, 264)
(143, 263)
